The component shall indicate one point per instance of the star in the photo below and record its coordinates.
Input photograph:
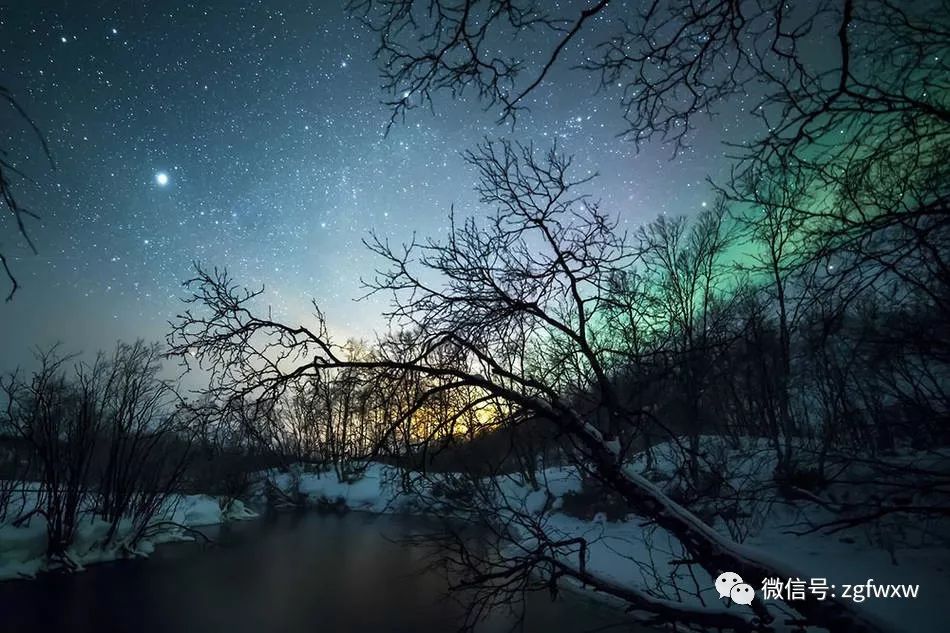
(161, 179)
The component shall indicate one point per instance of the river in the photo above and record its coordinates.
(290, 573)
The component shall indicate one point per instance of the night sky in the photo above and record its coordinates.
(251, 136)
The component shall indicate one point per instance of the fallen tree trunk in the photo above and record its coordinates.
(713, 551)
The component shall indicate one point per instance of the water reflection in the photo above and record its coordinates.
(287, 574)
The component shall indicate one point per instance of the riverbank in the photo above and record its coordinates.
(23, 542)
(624, 550)
(291, 572)
(627, 551)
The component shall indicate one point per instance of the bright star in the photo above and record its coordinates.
(161, 178)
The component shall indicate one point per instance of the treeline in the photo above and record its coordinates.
(807, 321)
(739, 322)
(106, 439)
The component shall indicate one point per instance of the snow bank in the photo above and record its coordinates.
(628, 552)
(198, 510)
(631, 553)
(23, 547)
(372, 492)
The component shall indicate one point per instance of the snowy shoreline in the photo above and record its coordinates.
(614, 548)
(23, 547)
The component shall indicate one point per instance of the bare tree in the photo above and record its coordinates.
(60, 420)
(517, 299)
(108, 438)
(451, 47)
(146, 437)
(685, 262)
(780, 264)
(677, 60)
(16, 213)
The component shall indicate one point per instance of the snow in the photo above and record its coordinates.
(198, 510)
(371, 492)
(617, 550)
(23, 547)
(235, 510)
(628, 552)
(631, 554)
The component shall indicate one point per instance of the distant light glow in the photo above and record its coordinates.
(161, 178)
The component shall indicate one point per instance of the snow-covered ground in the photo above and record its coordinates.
(624, 551)
(23, 547)
(628, 553)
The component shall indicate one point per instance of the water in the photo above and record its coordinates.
(287, 574)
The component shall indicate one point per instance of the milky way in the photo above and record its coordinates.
(253, 138)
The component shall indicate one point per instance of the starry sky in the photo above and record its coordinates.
(251, 135)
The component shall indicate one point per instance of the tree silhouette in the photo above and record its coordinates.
(16, 215)
(518, 301)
